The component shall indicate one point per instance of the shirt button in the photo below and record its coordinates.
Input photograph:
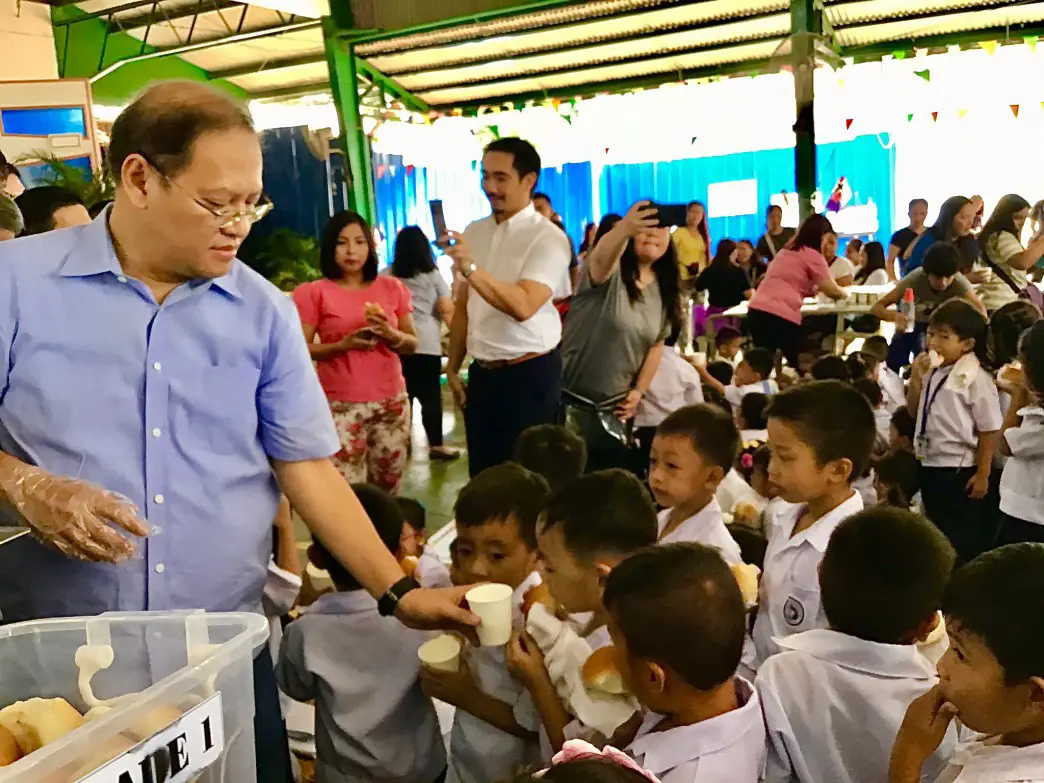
(159, 500)
(157, 366)
(122, 279)
(157, 432)
(160, 568)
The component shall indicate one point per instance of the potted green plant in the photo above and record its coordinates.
(91, 187)
(288, 259)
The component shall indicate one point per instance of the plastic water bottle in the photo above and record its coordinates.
(908, 308)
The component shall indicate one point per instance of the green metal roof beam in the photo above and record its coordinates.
(270, 65)
(164, 15)
(1006, 34)
(390, 86)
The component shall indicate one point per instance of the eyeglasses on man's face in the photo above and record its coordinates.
(223, 217)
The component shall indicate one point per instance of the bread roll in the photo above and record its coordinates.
(538, 594)
(408, 564)
(600, 672)
(38, 722)
(746, 513)
(9, 750)
(747, 579)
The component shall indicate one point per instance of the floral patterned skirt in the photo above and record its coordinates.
(374, 439)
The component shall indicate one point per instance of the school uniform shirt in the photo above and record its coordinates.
(789, 601)
(753, 436)
(432, 572)
(706, 526)
(987, 761)
(892, 389)
(729, 747)
(735, 394)
(373, 722)
(957, 403)
(734, 489)
(479, 752)
(675, 385)
(883, 421)
(841, 267)
(833, 705)
(1022, 483)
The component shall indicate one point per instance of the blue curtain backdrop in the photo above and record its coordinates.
(868, 167)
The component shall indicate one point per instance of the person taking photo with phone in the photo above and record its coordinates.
(514, 263)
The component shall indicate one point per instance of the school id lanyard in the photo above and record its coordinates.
(927, 400)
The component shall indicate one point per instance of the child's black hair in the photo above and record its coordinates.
(942, 260)
(883, 575)
(904, 422)
(556, 453)
(710, 430)
(712, 396)
(1031, 353)
(857, 367)
(591, 769)
(727, 334)
(760, 361)
(752, 411)
(834, 419)
(680, 605)
(999, 597)
(454, 552)
(964, 320)
(722, 372)
(609, 511)
(413, 513)
(753, 456)
(1006, 328)
(870, 389)
(831, 368)
(874, 351)
(900, 471)
(506, 491)
(384, 513)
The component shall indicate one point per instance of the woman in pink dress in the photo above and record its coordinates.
(798, 271)
(364, 322)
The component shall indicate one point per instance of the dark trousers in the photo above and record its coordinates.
(773, 333)
(272, 748)
(504, 401)
(971, 525)
(1017, 531)
(904, 345)
(423, 373)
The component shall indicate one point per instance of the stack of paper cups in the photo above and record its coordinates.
(492, 603)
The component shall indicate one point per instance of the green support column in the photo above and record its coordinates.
(344, 86)
(806, 19)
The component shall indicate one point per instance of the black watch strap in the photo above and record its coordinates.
(389, 602)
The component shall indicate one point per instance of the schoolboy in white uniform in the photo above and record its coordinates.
(703, 724)
(834, 699)
(814, 463)
(991, 678)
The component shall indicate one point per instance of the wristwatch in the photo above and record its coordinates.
(389, 602)
(469, 270)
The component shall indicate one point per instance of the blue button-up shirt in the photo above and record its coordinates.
(179, 407)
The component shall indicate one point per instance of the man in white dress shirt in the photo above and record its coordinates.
(515, 263)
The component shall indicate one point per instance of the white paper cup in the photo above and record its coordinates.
(492, 603)
(441, 653)
(699, 358)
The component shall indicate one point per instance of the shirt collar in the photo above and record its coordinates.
(899, 661)
(987, 761)
(350, 602)
(662, 751)
(818, 535)
(520, 217)
(706, 517)
(93, 253)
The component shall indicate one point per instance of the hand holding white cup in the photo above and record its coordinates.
(441, 653)
(492, 603)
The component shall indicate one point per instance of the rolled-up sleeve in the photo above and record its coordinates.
(986, 410)
(547, 261)
(1027, 440)
(293, 414)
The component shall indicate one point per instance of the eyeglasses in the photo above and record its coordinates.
(224, 218)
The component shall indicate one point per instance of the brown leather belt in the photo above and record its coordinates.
(497, 364)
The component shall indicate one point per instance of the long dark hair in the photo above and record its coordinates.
(811, 233)
(588, 243)
(723, 254)
(1006, 328)
(875, 259)
(413, 254)
(943, 227)
(1003, 218)
(666, 270)
(328, 247)
(607, 224)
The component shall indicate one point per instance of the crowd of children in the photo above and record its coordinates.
(890, 637)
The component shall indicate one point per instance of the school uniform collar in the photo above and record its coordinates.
(987, 761)
(896, 661)
(662, 751)
(1032, 412)
(707, 517)
(350, 602)
(818, 535)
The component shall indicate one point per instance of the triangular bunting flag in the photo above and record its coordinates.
(410, 168)
(925, 74)
(909, 118)
(848, 124)
(1031, 41)
(989, 46)
(935, 116)
(899, 55)
(962, 113)
(380, 171)
(606, 150)
(693, 140)
(1015, 110)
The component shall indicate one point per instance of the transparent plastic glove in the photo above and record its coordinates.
(78, 518)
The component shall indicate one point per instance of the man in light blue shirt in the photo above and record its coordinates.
(151, 382)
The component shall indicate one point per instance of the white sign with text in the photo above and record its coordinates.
(175, 755)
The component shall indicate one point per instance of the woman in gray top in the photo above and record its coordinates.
(626, 307)
(414, 264)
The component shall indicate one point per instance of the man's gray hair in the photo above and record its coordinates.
(10, 216)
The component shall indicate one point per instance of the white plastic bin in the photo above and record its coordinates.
(164, 665)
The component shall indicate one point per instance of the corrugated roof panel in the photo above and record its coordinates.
(259, 52)
(950, 23)
(686, 41)
(580, 12)
(665, 19)
(849, 13)
(283, 77)
(664, 65)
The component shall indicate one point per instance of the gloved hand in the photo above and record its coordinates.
(76, 517)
